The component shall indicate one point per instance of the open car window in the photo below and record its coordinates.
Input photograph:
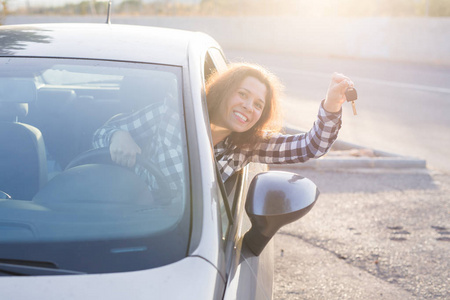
(73, 215)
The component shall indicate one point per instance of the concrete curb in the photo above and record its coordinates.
(381, 159)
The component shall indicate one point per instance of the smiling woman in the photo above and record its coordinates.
(245, 121)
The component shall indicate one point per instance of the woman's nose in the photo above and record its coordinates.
(247, 104)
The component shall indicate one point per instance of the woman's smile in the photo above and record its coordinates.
(241, 117)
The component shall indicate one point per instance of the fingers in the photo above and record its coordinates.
(336, 92)
(123, 149)
(342, 81)
(123, 159)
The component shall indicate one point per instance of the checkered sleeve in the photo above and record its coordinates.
(157, 130)
(286, 149)
(166, 152)
(139, 124)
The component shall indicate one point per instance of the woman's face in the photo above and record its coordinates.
(243, 108)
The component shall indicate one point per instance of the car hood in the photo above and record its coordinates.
(189, 278)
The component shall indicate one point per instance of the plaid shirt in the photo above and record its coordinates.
(281, 149)
(158, 127)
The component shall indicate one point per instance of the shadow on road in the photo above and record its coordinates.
(367, 181)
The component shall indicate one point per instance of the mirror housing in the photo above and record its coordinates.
(276, 199)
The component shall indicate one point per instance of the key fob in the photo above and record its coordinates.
(351, 94)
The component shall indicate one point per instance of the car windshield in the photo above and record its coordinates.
(63, 203)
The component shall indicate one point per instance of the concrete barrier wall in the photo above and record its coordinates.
(419, 40)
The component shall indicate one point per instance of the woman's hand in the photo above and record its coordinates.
(336, 92)
(123, 149)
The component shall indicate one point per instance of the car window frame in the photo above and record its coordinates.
(215, 61)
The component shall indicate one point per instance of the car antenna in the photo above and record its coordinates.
(108, 16)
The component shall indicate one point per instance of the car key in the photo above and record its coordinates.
(351, 95)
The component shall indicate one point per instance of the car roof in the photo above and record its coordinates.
(101, 41)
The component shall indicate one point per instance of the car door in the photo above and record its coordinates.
(248, 276)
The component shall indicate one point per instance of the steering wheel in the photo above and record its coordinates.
(4, 195)
(103, 156)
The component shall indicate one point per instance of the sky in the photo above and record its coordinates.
(20, 3)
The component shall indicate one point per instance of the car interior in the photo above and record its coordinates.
(45, 126)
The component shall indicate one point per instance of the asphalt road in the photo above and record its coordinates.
(374, 233)
(402, 108)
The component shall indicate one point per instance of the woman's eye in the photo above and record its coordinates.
(242, 94)
(259, 106)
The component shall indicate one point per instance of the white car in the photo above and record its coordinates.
(81, 227)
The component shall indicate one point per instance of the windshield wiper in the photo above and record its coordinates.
(24, 270)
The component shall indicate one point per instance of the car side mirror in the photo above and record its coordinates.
(276, 199)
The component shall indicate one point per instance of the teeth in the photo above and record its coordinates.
(241, 116)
